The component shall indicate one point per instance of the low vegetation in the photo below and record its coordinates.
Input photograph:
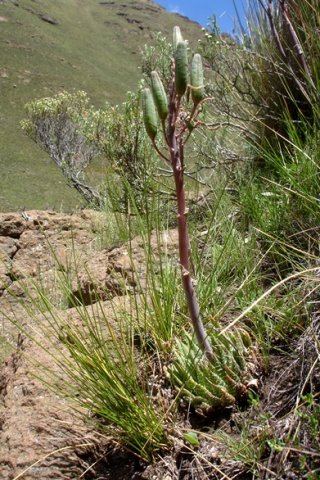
(154, 381)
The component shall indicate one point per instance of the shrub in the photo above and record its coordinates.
(54, 124)
(73, 133)
(124, 143)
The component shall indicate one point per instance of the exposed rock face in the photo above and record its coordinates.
(34, 248)
(33, 421)
(120, 270)
(39, 433)
(32, 426)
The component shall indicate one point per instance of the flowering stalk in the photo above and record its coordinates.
(175, 126)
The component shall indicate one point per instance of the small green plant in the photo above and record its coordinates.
(192, 438)
(276, 444)
(309, 411)
(248, 447)
(204, 386)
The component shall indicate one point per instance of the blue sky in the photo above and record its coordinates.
(200, 10)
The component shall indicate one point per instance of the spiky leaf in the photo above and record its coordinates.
(211, 384)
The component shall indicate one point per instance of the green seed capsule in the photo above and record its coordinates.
(181, 68)
(149, 114)
(197, 89)
(177, 37)
(159, 96)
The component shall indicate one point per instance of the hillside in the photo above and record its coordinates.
(174, 332)
(47, 47)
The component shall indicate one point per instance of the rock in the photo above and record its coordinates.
(5, 280)
(118, 271)
(8, 247)
(104, 276)
(35, 248)
(48, 19)
(11, 225)
(47, 240)
(40, 434)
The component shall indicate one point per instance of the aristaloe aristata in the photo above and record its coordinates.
(205, 385)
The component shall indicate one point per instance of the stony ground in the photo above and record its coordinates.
(39, 434)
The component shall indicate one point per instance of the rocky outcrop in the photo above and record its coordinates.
(36, 246)
(40, 436)
(34, 423)
(121, 270)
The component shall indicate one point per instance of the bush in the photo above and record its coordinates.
(73, 133)
(58, 125)
(124, 143)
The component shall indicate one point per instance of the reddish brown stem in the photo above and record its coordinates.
(176, 145)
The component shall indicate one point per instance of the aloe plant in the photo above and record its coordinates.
(175, 128)
(205, 387)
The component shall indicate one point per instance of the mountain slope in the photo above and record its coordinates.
(46, 47)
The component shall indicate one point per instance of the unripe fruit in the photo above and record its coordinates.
(159, 96)
(197, 89)
(177, 37)
(149, 114)
(181, 68)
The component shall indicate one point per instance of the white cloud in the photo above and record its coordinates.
(175, 9)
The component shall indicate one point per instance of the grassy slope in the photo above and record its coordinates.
(95, 47)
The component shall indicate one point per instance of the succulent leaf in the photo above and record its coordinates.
(211, 384)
